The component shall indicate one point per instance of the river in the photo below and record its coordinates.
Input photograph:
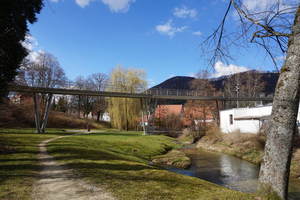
(228, 171)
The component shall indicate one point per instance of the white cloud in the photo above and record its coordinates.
(121, 6)
(83, 3)
(168, 29)
(198, 33)
(185, 12)
(259, 6)
(282, 58)
(224, 70)
(171, 75)
(117, 6)
(31, 43)
(151, 82)
(191, 74)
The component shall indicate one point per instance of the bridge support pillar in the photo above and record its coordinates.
(47, 113)
(148, 116)
(155, 103)
(143, 120)
(218, 120)
(37, 117)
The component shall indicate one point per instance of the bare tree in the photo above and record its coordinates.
(173, 123)
(98, 82)
(274, 29)
(45, 71)
(250, 84)
(202, 85)
(78, 101)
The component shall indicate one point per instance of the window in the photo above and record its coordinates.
(230, 119)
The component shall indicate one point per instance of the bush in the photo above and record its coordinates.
(173, 124)
(213, 134)
(14, 115)
(243, 140)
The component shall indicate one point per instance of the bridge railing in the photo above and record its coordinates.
(84, 86)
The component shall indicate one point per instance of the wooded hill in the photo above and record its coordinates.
(183, 82)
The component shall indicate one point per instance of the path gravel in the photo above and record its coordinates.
(55, 181)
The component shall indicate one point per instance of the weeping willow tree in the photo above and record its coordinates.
(124, 111)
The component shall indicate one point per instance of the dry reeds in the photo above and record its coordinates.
(236, 138)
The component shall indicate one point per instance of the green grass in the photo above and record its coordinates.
(118, 162)
(173, 158)
(115, 161)
(19, 167)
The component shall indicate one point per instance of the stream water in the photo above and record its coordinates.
(228, 171)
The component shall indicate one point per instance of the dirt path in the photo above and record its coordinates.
(57, 182)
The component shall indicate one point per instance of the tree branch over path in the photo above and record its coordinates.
(276, 29)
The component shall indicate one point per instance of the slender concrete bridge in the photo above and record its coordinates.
(130, 92)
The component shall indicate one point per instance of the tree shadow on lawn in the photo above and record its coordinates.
(72, 152)
(11, 171)
(118, 133)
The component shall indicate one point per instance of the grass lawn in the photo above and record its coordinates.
(118, 162)
(115, 161)
(18, 160)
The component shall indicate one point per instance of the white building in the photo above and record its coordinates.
(245, 120)
(105, 117)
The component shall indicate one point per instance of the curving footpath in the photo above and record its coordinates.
(55, 181)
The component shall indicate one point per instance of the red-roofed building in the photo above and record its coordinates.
(140, 120)
(197, 115)
(163, 110)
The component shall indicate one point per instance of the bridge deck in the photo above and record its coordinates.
(151, 94)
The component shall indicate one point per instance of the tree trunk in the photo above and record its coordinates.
(98, 116)
(275, 166)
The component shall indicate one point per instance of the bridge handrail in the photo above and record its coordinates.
(142, 90)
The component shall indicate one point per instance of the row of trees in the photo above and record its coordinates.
(85, 104)
(45, 71)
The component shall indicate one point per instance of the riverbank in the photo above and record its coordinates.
(249, 149)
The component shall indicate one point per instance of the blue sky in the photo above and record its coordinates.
(161, 36)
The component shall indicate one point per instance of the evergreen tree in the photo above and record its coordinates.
(14, 15)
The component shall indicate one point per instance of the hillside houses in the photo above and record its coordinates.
(189, 116)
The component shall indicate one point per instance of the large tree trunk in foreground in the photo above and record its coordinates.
(275, 166)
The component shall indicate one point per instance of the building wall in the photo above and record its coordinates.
(247, 126)
(225, 125)
(106, 117)
(230, 123)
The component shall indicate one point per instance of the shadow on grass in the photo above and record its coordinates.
(123, 134)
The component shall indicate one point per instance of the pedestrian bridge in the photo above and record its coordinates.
(150, 93)
(131, 92)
